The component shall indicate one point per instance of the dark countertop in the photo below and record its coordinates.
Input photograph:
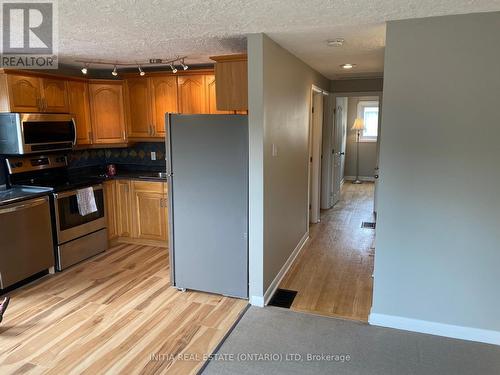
(144, 175)
(21, 193)
(123, 171)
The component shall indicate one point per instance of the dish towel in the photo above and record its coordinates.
(86, 201)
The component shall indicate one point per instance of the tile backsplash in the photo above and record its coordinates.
(138, 154)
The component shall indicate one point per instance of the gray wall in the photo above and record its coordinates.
(367, 150)
(438, 237)
(279, 101)
(356, 85)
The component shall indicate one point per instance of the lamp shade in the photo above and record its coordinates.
(359, 124)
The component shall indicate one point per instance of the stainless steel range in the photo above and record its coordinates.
(76, 237)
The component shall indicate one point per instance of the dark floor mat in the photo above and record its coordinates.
(283, 298)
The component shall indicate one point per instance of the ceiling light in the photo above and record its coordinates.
(174, 69)
(335, 42)
(141, 72)
(184, 66)
(114, 72)
(85, 69)
(347, 66)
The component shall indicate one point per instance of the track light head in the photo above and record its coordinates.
(174, 69)
(184, 66)
(114, 72)
(85, 69)
(141, 72)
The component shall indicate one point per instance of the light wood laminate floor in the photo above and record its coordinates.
(113, 314)
(333, 273)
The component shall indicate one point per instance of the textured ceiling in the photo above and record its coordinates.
(130, 30)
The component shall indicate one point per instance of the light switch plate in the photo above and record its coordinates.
(275, 150)
(153, 155)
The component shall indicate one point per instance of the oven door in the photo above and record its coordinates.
(47, 132)
(69, 223)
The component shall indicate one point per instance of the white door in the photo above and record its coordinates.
(339, 144)
(315, 157)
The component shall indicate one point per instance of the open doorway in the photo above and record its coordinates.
(333, 274)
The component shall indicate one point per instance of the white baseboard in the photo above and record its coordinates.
(261, 301)
(434, 328)
(361, 178)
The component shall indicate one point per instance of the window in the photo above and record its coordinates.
(368, 111)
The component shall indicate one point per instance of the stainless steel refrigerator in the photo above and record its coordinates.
(207, 168)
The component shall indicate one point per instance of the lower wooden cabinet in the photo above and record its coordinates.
(137, 210)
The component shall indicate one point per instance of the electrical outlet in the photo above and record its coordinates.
(153, 155)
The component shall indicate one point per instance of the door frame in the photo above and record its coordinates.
(314, 164)
(378, 94)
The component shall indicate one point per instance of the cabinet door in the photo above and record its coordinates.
(106, 107)
(211, 95)
(191, 91)
(24, 93)
(122, 208)
(54, 96)
(110, 200)
(139, 107)
(78, 95)
(150, 210)
(164, 99)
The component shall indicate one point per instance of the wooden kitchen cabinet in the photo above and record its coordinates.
(137, 211)
(148, 100)
(139, 108)
(79, 108)
(107, 112)
(163, 99)
(231, 72)
(192, 94)
(123, 208)
(54, 95)
(211, 96)
(110, 199)
(149, 210)
(19, 93)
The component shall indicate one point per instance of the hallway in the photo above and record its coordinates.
(333, 273)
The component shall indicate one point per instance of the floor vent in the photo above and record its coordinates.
(283, 298)
(368, 225)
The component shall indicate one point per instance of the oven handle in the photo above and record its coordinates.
(73, 192)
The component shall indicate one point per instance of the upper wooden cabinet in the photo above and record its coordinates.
(192, 94)
(148, 101)
(79, 108)
(231, 72)
(139, 108)
(32, 94)
(54, 95)
(211, 95)
(164, 99)
(107, 112)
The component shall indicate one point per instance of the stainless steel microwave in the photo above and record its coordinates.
(30, 133)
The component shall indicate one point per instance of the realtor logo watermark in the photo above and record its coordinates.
(29, 34)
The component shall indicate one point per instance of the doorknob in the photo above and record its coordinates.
(342, 153)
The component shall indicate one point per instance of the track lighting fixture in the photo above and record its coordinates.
(178, 60)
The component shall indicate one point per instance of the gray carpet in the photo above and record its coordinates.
(372, 350)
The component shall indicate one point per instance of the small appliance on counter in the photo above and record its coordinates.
(76, 236)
